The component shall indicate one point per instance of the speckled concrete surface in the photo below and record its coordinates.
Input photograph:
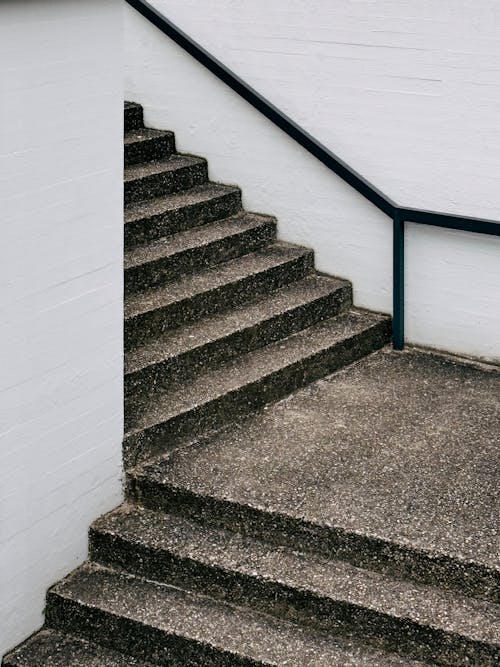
(171, 174)
(49, 648)
(144, 144)
(198, 237)
(330, 595)
(248, 382)
(165, 259)
(158, 217)
(133, 116)
(174, 627)
(211, 341)
(399, 449)
(214, 289)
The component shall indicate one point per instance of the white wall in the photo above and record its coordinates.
(406, 92)
(61, 228)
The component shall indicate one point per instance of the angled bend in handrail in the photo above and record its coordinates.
(399, 214)
(267, 108)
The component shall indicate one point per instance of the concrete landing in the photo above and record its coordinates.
(401, 446)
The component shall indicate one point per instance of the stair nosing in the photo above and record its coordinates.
(268, 262)
(216, 636)
(229, 227)
(149, 133)
(147, 472)
(331, 286)
(220, 191)
(344, 578)
(372, 320)
(172, 163)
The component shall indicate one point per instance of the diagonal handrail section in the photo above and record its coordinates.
(399, 214)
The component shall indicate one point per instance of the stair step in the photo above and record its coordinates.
(163, 177)
(133, 116)
(144, 145)
(386, 464)
(213, 340)
(232, 283)
(158, 262)
(166, 625)
(50, 648)
(246, 383)
(330, 596)
(155, 218)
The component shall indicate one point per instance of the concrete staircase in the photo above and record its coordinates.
(274, 518)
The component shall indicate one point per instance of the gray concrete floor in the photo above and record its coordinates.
(402, 446)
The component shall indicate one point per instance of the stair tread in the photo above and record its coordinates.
(178, 341)
(171, 163)
(325, 578)
(253, 366)
(171, 202)
(193, 238)
(144, 134)
(50, 648)
(218, 625)
(399, 448)
(133, 117)
(214, 277)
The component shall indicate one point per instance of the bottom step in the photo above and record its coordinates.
(168, 626)
(49, 648)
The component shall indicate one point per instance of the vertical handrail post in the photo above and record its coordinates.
(398, 281)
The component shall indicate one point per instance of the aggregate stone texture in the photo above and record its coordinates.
(395, 458)
(297, 494)
(247, 382)
(133, 116)
(169, 626)
(326, 594)
(162, 260)
(49, 648)
(213, 289)
(162, 216)
(144, 144)
(205, 343)
(166, 176)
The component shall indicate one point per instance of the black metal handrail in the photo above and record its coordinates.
(399, 214)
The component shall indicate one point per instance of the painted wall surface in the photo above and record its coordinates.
(61, 109)
(406, 92)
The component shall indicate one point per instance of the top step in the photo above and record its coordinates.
(134, 118)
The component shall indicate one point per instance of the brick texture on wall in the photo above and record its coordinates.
(60, 292)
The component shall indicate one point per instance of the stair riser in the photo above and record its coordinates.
(133, 118)
(147, 325)
(163, 375)
(149, 149)
(159, 272)
(134, 638)
(401, 635)
(155, 227)
(164, 183)
(277, 529)
(230, 406)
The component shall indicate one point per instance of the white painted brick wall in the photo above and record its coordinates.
(61, 280)
(406, 92)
